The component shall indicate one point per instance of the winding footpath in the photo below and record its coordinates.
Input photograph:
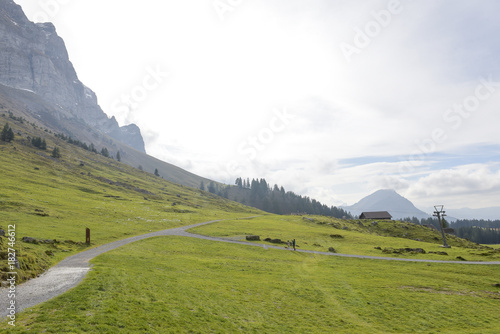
(70, 272)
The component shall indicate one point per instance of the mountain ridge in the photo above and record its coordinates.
(387, 200)
(400, 207)
(34, 58)
(39, 84)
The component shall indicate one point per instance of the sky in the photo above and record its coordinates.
(332, 99)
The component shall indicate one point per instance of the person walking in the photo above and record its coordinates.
(293, 244)
(288, 244)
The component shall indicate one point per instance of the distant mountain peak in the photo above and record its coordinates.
(387, 200)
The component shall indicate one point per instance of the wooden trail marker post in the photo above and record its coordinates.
(87, 239)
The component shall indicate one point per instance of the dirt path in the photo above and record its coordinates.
(70, 272)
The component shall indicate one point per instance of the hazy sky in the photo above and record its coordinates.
(331, 99)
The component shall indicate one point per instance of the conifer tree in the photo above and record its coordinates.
(7, 133)
(105, 152)
(56, 153)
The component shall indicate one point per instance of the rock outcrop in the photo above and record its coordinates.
(34, 58)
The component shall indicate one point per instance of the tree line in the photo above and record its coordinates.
(476, 230)
(477, 223)
(274, 199)
(480, 235)
(91, 148)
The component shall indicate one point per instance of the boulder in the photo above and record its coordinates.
(30, 240)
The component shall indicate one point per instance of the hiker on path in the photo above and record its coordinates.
(293, 244)
(288, 244)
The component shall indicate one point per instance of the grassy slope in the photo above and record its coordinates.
(58, 199)
(36, 110)
(183, 285)
(357, 237)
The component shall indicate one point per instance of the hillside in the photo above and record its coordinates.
(36, 111)
(53, 200)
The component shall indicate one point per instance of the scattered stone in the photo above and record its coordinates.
(335, 225)
(345, 228)
(29, 240)
(403, 250)
(439, 253)
(332, 250)
(336, 236)
(461, 258)
(374, 223)
(379, 248)
(307, 218)
(49, 253)
(496, 285)
(36, 168)
(253, 238)
(2, 233)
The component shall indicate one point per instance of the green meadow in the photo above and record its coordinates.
(352, 237)
(186, 285)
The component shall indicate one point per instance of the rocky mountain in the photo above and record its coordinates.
(39, 85)
(34, 58)
(387, 200)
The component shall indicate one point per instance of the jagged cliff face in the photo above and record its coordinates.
(34, 58)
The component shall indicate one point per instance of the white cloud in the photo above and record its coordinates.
(459, 186)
